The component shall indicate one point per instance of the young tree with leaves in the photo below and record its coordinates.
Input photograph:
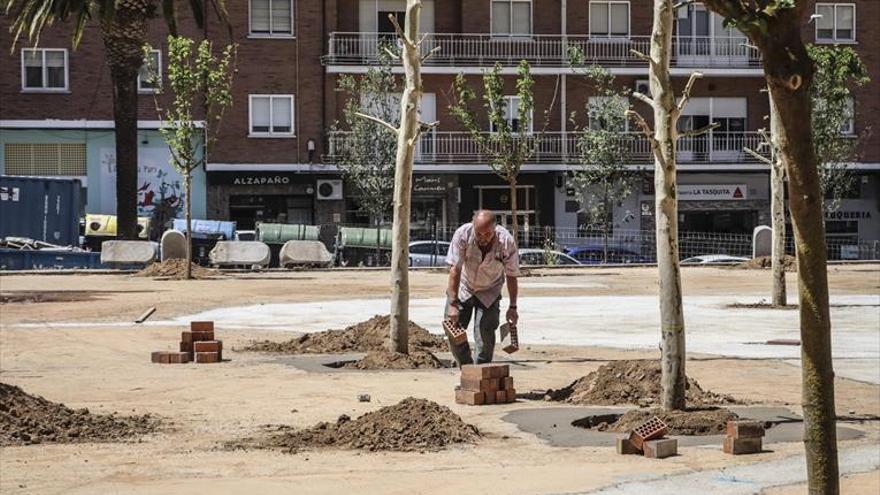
(603, 179)
(407, 133)
(123, 26)
(367, 155)
(663, 139)
(507, 146)
(774, 27)
(200, 82)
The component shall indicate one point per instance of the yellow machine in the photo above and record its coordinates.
(105, 226)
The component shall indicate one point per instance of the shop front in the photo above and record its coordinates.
(434, 206)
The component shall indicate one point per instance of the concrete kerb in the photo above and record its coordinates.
(554, 426)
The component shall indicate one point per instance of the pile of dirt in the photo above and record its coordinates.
(765, 262)
(386, 360)
(27, 419)
(370, 335)
(629, 382)
(412, 425)
(692, 422)
(176, 269)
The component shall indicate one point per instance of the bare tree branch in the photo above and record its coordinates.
(681, 4)
(431, 53)
(378, 121)
(643, 97)
(686, 94)
(390, 53)
(641, 122)
(701, 130)
(642, 56)
(399, 30)
(758, 156)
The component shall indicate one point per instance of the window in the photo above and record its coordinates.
(66, 159)
(271, 116)
(848, 126)
(609, 18)
(512, 17)
(835, 22)
(272, 18)
(511, 115)
(150, 74)
(44, 69)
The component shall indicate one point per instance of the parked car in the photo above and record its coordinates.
(595, 254)
(428, 253)
(708, 259)
(245, 235)
(535, 257)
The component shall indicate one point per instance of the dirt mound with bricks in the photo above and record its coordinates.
(691, 422)
(176, 269)
(366, 336)
(766, 262)
(412, 425)
(385, 360)
(27, 419)
(629, 382)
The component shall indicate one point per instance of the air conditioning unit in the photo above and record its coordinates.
(642, 86)
(329, 189)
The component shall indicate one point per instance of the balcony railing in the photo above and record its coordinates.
(562, 148)
(457, 50)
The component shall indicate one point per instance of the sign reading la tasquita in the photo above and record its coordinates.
(847, 215)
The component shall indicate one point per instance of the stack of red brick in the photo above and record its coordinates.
(648, 439)
(483, 384)
(196, 344)
(744, 437)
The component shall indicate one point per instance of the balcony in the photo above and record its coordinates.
(561, 148)
(544, 51)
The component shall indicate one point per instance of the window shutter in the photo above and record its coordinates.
(522, 18)
(260, 114)
(260, 16)
(501, 17)
(619, 19)
(281, 18)
(281, 117)
(599, 18)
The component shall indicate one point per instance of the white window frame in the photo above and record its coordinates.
(511, 34)
(271, 133)
(142, 89)
(608, 20)
(270, 34)
(510, 116)
(834, 38)
(43, 88)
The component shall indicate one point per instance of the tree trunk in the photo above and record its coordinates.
(789, 77)
(666, 204)
(514, 222)
(187, 184)
(124, 36)
(407, 134)
(777, 212)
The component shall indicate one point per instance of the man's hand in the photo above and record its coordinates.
(452, 311)
(512, 316)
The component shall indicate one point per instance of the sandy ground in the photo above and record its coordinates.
(106, 368)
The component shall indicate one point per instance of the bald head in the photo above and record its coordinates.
(484, 227)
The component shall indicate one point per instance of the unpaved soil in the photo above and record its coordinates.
(27, 419)
(176, 270)
(370, 335)
(766, 262)
(31, 297)
(411, 425)
(629, 382)
(692, 422)
(386, 360)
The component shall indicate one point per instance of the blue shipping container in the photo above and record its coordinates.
(41, 208)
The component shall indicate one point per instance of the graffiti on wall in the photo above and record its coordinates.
(160, 186)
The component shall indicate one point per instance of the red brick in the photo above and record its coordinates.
(186, 346)
(501, 397)
(660, 448)
(490, 399)
(626, 447)
(507, 383)
(208, 346)
(739, 446)
(469, 397)
(475, 372)
(207, 357)
(488, 385)
(201, 326)
(454, 331)
(649, 430)
(500, 370)
(186, 337)
(511, 394)
(745, 429)
(156, 357)
(178, 357)
(202, 335)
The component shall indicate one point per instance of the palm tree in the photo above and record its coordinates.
(123, 25)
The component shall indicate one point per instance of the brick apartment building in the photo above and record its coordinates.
(274, 160)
